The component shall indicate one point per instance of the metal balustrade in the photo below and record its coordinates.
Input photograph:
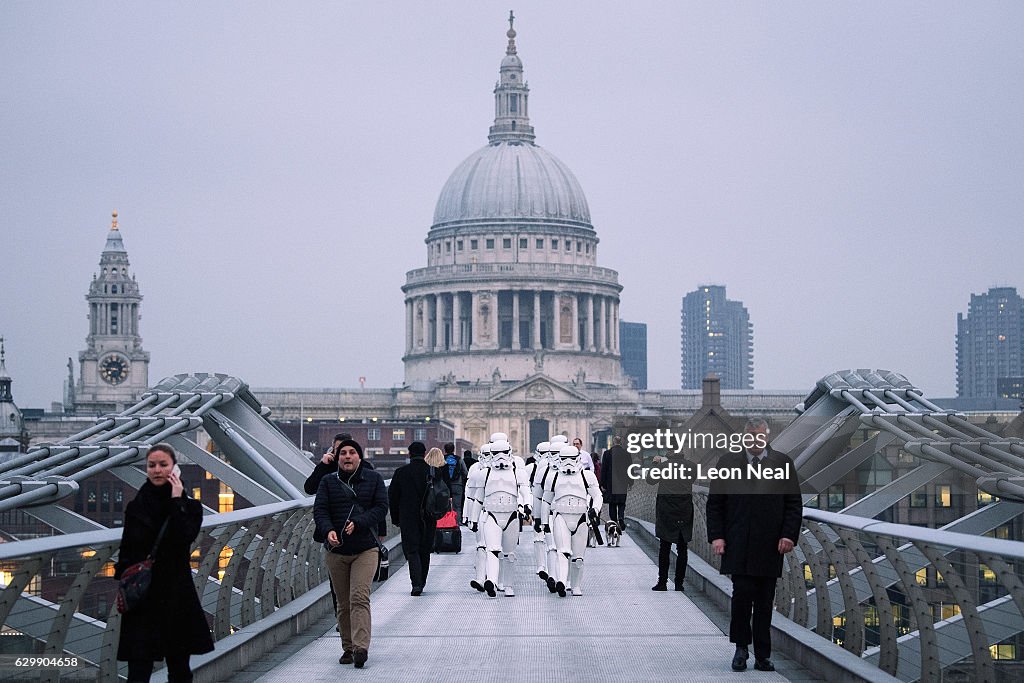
(58, 592)
(921, 604)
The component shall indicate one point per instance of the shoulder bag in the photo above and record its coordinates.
(136, 579)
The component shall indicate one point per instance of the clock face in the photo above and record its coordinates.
(114, 369)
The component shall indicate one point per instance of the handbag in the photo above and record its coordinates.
(136, 579)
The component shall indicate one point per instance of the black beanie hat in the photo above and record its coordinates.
(417, 449)
(353, 444)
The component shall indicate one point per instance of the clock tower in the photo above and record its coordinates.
(113, 368)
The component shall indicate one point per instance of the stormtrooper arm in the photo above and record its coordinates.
(594, 489)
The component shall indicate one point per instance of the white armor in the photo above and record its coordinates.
(569, 498)
(505, 504)
(473, 509)
(535, 473)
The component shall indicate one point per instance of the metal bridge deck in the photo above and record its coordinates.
(618, 630)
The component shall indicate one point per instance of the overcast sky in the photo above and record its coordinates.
(851, 172)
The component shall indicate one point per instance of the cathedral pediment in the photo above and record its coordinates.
(540, 388)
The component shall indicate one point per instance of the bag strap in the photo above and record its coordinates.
(159, 537)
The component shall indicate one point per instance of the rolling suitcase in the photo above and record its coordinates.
(448, 540)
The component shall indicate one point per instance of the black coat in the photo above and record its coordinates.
(312, 485)
(170, 619)
(673, 508)
(361, 498)
(752, 516)
(615, 480)
(408, 488)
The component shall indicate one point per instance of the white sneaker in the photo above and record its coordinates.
(509, 593)
(575, 591)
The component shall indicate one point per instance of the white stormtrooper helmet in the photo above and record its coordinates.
(485, 455)
(501, 455)
(499, 436)
(570, 460)
(559, 439)
(554, 452)
(541, 451)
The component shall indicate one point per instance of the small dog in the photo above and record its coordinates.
(612, 534)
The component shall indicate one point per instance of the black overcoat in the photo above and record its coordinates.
(752, 516)
(673, 508)
(170, 619)
(405, 498)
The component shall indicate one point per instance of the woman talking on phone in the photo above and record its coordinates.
(169, 622)
(350, 505)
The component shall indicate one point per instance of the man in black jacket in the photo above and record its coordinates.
(405, 496)
(752, 523)
(615, 481)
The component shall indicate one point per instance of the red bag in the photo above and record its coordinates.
(449, 521)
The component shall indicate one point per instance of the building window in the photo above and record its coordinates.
(568, 245)
(540, 242)
(398, 435)
(919, 499)
(523, 243)
(578, 245)
(373, 434)
(984, 498)
(225, 499)
(448, 247)
(489, 243)
(921, 576)
(420, 434)
(554, 244)
(836, 497)
(943, 496)
(474, 244)
(588, 247)
(458, 245)
(506, 243)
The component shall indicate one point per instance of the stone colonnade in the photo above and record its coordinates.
(512, 319)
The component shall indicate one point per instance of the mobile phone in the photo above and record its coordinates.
(176, 471)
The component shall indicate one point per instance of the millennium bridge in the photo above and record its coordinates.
(861, 598)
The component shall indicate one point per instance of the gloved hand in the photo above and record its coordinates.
(473, 527)
(547, 528)
(537, 526)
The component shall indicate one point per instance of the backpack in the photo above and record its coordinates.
(437, 499)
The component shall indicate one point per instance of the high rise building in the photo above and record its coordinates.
(989, 342)
(113, 368)
(716, 337)
(633, 347)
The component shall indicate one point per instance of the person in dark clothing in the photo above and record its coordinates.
(455, 476)
(408, 488)
(169, 623)
(673, 518)
(615, 481)
(328, 465)
(468, 460)
(752, 523)
(348, 511)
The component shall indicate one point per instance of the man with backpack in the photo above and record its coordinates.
(406, 498)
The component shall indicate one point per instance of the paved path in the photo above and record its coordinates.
(619, 630)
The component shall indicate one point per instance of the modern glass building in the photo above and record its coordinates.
(989, 342)
(716, 336)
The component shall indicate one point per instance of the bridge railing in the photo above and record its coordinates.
(57, 597)
(921, 604)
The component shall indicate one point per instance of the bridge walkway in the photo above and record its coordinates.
(618, 630)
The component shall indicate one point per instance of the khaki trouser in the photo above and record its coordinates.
(351, 576)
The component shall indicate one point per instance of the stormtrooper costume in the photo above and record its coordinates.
(540, 494)
(506, 502)
(573, 493)
(535, 474)
(473, 509)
